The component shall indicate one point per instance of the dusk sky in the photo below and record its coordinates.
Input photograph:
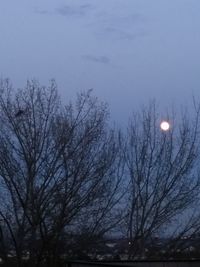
(128, 51)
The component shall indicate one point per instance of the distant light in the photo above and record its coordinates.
(164, 125)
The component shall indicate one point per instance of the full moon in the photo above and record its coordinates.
(164, 126)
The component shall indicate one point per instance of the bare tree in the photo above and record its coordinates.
(162, 170)
(55, 164)
(90, 188)
(26, 159)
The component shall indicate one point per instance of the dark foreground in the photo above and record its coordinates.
(145, 263)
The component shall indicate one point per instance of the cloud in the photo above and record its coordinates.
(115, 26)
(72, 10)
(119, 34)
(96, 59)
(67, 10)
(40, 11)
(108, 24)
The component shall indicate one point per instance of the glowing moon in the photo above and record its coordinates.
(164, 125)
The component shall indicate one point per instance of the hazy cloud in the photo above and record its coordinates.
(117, 33)
(40, 11)
(97, 59)
(119, 27)
(72, 10)
(107, 24)
(67, 10)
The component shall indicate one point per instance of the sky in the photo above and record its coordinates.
(128, 51)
